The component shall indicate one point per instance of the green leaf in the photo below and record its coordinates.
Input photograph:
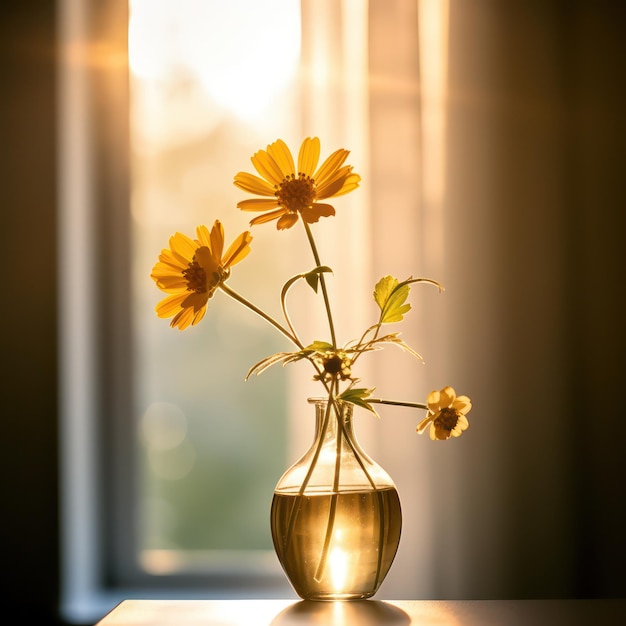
(391, 296)
(320, 346)
(313, 277)
(383, 289)
(357, 396)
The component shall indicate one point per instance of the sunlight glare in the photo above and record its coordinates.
(433, 33)
(338, 561)
(242, 52)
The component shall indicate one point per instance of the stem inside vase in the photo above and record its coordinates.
(336, 515)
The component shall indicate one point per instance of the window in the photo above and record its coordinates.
(208, 454)
(161, 433)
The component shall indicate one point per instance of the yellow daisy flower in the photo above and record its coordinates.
(446, 414)
(192, 269)
(289, 193)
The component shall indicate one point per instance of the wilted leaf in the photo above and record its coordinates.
(285, 357)
(394, 339)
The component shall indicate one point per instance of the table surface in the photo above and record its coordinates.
(366, 613)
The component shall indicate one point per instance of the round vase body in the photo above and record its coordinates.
(335, 515)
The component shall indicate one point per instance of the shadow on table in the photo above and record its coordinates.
(361, 612)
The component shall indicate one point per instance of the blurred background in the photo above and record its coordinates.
(490, 137)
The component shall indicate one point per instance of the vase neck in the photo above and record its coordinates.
(334, 462)
(333, 418)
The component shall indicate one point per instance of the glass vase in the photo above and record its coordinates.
(335, 515)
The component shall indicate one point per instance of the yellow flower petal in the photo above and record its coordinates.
(253, 184)
(330, 166)
(267, 167)
(195, 301)
(183, 248)
(433, 401)
(186, 317)
(309, 156)
(257, 204)
(313, 213)
(268, 217)
(334, 183)
(462, 423)
(424, 424)
(462, 405)
(165, 268)
(170, 283)
(282, 156)
(447, 397)
(350, 183)
(203, 236)
(238, 250)
(168, 260)
(168, 306)
(287, 221)
(217, 241)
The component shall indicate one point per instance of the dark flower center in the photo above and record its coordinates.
(333, 365)
(447, 419)
(296, 194)
(195, 277)
(336, 365)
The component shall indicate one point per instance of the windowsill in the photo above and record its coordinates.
(365, 612)
(91, 607)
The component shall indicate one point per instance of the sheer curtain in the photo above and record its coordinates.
(525, 235)
(373, 81)
(408, 66)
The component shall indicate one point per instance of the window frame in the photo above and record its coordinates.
(96, 351)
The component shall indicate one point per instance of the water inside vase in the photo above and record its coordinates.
(337, 554)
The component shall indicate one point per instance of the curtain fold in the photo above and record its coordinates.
(524, 235)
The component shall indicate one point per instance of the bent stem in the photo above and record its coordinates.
(381, 508)
(239, 298)
(298, 503)
(335, 492)
(341, 437)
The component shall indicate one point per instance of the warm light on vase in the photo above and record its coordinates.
(336, 515)
(338, 565)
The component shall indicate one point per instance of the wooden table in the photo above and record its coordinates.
(367, 613)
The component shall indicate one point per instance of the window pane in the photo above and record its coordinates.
(211, 446)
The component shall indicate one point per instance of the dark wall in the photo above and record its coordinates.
(596, 290)
(29, 496)
(535, 252)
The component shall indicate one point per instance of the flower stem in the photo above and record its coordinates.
(295, 510)
(413, 405)
(335, 491)
(239, 298)
(316, 256)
